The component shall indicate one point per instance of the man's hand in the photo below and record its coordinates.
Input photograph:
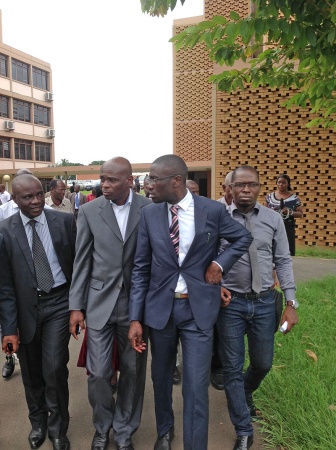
(76, 318)
(13, 339)
(225, 297)
(213, 275)
(290, 316)
(135, 336)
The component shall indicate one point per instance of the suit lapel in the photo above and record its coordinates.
(109, 218)
(21, 237)
(55, 233)
(133, 217)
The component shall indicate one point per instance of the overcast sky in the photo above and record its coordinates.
(112, 73)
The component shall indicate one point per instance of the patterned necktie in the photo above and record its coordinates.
(174, 228)
(77, 201)
(256, 279)
(44, 276)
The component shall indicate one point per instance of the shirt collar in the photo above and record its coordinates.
(234, 210)
(185, 202)
(41, 218)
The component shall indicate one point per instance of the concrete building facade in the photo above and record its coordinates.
(26, 110)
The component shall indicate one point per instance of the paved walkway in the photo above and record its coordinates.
(15, 427)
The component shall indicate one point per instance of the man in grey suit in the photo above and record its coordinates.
(176, 292)
(107, 234)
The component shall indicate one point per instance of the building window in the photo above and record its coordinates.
(20, 71)
(42, 151)
(40, 78)
(41, 115)
(3, 65)
(4, 148)
(21, 110)
(3, 106)
(23, 149)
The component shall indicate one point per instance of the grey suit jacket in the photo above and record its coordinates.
(103, 262)
(20, 310)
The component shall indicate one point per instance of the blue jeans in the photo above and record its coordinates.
(256, 319)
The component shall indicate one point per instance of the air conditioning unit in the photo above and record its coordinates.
(9, 125)
(49, 97)
(50, 133)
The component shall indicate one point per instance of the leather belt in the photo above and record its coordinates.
(252, 295)
(53, 291)
(178, 295)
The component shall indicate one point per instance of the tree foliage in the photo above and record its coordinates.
(158, 7)
(66, 162)
(99, 162)
(283, 43)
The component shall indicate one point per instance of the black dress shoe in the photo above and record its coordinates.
(125, 447)
(243, 443)
(217, 381)
(100, 441)
(61, 443)
(163, 442)
(177, 376)
(36, 437)
(9, 366)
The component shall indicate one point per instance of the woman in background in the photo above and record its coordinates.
(288, 204)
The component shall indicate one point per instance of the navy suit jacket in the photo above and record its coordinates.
(156, 270)
(18, 290)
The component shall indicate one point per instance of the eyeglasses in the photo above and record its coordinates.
(251, 185)
(153, 180)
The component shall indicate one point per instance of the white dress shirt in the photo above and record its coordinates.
(121, 213)
(186, 220)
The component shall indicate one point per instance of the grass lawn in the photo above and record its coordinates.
(316, 252)
(298, 397)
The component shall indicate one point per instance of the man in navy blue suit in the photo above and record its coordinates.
(176, 292)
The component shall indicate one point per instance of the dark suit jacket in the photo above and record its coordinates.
(156, 270)
(19, 308)
(82, 199)
(104, 261)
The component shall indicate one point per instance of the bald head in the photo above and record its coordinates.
(28, 195)
(23, 172)
(172, 164)
(193, 187)
(24, 180)
(116, 179)
(227, 180)
(119, 164)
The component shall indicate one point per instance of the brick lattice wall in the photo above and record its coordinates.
(252, 128)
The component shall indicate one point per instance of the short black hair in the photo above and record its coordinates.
(245, 167)
(176, 163)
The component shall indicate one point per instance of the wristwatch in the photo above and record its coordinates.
(293, 303)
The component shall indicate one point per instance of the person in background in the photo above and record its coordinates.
(288, 204)
(137, 183)
(35, 311)
(92, 196)
(57, 199)
(72, 188)
(251, 310)
(192, 186)
(4, 195)
(105, 247)
(145, 186)
(77, 199)
(227, 199)
(176, 293)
